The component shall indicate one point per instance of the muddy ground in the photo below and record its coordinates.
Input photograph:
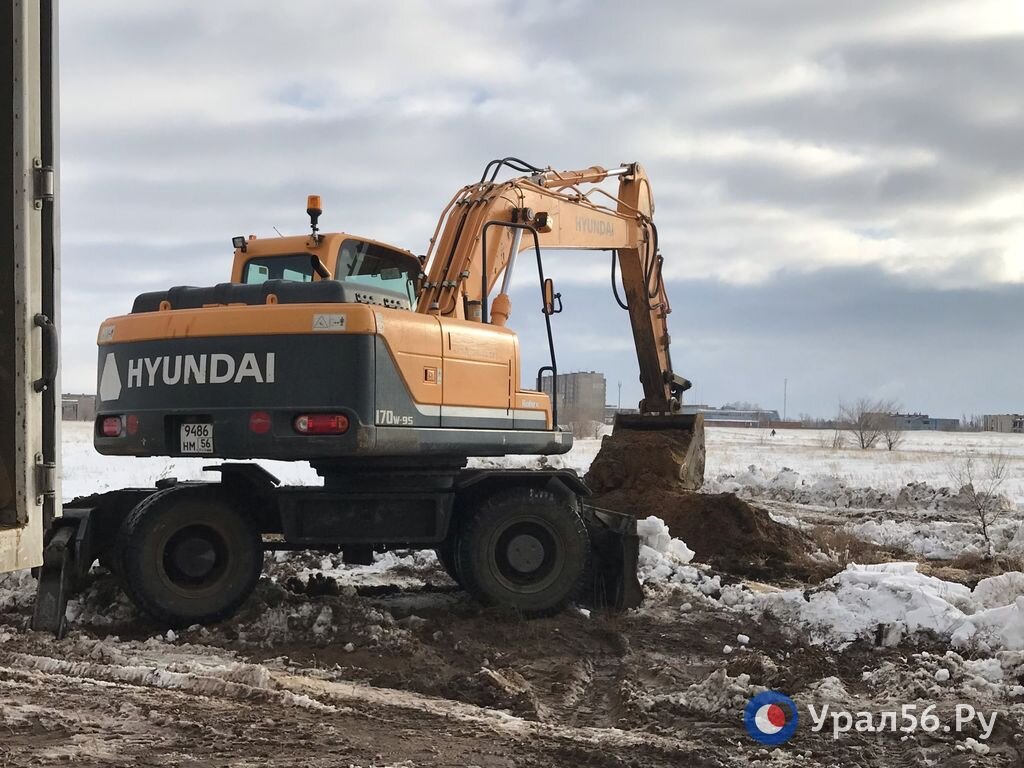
(315, 671)
(392, 665)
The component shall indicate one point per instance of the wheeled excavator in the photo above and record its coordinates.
(386, 371)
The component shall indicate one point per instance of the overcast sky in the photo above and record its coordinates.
(838, 185)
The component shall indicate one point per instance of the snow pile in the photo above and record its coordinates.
(662, 558)
(717, 693)
(17, 591)
(830, 491)
(883, 604)
(941, 540)
(664, 563)
(933, 675)
(827, 690)
(1000, 590)
(406, 570)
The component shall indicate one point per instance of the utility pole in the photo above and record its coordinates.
(785, 394)
(619, 406)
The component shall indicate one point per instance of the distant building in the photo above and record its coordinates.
(611, 410)
(1003, 422)
(78, 407)
(734, 417)
(914, 422)
(580, 397)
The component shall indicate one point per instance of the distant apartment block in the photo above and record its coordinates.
(914, 422)
(580, 396)
(1003, 422)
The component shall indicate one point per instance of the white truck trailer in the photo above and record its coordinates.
(29, 282)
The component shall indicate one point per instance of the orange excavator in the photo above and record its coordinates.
(386, 371)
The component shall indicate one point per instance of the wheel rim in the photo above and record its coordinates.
(526, 555)
(194, 559)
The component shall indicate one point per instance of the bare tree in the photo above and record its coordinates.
(892, 432)
(972, 423)
(865, 419)
(979, 481)
(742, 405)
(834, 439)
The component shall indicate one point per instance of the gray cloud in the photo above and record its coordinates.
(795, 149)
(835, 334)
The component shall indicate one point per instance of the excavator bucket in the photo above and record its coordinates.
(668, 447)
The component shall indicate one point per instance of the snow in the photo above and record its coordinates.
(790, 457)
(84, 472)
(923, 457)
(885, 604)
(718, 692)
(662, 558)
(999, 590)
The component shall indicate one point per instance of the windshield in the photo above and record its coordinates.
(296, 266)
(377, 266)
(358, 262)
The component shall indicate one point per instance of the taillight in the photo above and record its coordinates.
(132, 424)
(321, 424)
(112, 426)
(259, 422)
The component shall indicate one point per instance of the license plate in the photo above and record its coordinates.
(197, 438)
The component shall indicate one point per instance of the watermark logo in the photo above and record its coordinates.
(771, 718)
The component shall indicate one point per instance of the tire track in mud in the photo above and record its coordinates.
(73, 704)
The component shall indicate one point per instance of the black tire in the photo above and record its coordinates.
(188, 556)
(447, 555)
(526, 549)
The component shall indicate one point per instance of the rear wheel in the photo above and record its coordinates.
(525, 548)
(188, 556)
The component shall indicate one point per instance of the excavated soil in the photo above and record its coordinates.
(722, 530)
(643, 473)
(638, 458)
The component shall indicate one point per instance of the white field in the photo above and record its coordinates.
(923, 457)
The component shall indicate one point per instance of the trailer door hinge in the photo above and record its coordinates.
(44, 183)
(46, 477)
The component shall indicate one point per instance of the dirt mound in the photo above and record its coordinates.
(723, 530)
(641, 473)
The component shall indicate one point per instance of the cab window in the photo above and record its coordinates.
(377, 266)
(297, 267)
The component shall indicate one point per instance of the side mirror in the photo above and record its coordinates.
(550, 298)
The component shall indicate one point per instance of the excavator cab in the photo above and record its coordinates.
(358, 261)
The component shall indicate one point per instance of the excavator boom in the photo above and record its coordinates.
(489, 223)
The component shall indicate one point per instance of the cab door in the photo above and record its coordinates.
(29, 387)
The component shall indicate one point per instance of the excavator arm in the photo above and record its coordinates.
(487, 224)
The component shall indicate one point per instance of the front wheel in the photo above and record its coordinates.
(188, 556)
(525, 548)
